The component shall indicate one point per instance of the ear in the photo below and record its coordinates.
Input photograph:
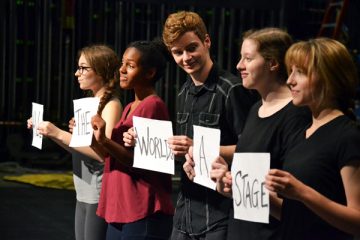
(274, 65)
(150, 73)
(207, 41)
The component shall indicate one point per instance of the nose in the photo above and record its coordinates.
(77, 73)
(122, 68)
(290, 81)
(240, 66)
(187, 56)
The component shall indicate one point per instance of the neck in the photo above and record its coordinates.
(141, 94)
(275, 95)
(321, 118)
(99, 93)
(324, 116)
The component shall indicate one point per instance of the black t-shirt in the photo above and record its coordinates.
(275, 135)
(317, 161)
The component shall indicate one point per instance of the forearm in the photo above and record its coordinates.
(63, 139)
(275, 205)
(117, 151)
(340, 216)
(227, 152)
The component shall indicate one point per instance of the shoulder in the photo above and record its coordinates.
(114, 103)
(293, 111)
(348, 128)
(231, 85)
(112, 110)
(185, 86)
(154, 107)
(227, 80)
(346, 133)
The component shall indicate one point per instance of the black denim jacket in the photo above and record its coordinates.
(223, 103)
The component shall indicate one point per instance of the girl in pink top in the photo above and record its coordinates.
(135, 203)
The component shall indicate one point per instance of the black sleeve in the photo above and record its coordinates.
(238, 104)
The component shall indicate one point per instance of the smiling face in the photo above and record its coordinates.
(131, 71)
(252, 65)
(87, 77)
(301, 87)
(190, 53)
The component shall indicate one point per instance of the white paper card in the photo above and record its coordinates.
(250, 197)
(37, 117)
(206, 148)
(151, 150)
(84, 110)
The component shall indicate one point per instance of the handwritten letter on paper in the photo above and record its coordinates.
(206, 148)
(251, 198)
(151, 150)
(84, 110)
(37, 117)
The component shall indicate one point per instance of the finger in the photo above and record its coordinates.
(190, 151)
(189, 160)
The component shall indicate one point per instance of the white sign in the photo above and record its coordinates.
(250, 197)
(151, 149)
(37, 117)
(206, 148)
(84, 110)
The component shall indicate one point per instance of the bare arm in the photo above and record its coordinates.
(343, 217)
(227, 152)
(117, 151)
(111, 113)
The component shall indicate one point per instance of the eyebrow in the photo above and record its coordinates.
(188, 45)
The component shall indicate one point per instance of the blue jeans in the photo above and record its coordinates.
(154, 227)
(218, 234)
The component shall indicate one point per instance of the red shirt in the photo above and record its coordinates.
(130, 194)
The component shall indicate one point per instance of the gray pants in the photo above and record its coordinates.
(88, 226)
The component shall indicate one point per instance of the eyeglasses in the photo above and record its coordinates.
(82, 68)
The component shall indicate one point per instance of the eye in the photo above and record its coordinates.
(176, 52)
(192, 48)
(247, 59)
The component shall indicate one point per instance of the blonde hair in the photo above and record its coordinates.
(181, 22)
(332, 65)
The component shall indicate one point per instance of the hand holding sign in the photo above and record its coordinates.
(84, 109)
(129, 137)
(251, 198)
(99, 127)
(221, 174)
(189, 164)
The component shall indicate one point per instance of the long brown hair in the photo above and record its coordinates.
(104, 61)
